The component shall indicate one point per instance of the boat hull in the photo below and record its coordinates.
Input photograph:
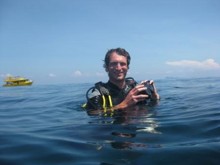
(17, 81)
(19, 84)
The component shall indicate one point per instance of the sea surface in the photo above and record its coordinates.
(45, 125)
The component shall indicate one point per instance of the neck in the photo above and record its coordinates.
(120, 83)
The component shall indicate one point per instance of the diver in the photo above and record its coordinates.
(119, 92)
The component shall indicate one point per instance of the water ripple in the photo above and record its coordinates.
(45, 124)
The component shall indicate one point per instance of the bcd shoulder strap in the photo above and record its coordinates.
(130, 82)
(101, 87)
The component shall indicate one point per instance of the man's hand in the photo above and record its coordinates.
(137, 94)
(133, 97)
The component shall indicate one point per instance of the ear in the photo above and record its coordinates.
(106, 68)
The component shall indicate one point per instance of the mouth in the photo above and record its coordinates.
(120, 74)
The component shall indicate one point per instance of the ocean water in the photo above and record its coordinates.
(45, 125)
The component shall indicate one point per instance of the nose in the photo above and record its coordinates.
(118, 65)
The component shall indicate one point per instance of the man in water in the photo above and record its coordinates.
(120, 92)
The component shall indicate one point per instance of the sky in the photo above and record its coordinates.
(65, 41)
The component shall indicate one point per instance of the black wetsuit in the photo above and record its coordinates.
(117, 94)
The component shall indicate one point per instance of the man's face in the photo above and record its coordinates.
(117, 68)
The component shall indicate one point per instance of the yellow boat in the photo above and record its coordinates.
(17, 81)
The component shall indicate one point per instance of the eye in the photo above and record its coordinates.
(123, 64)
(113, 64)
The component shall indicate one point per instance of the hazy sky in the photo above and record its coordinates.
(65, 41)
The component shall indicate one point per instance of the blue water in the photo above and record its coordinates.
(44, 124)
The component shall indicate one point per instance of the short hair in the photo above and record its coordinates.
(119, 51)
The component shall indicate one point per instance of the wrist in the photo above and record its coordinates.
(120, 106)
